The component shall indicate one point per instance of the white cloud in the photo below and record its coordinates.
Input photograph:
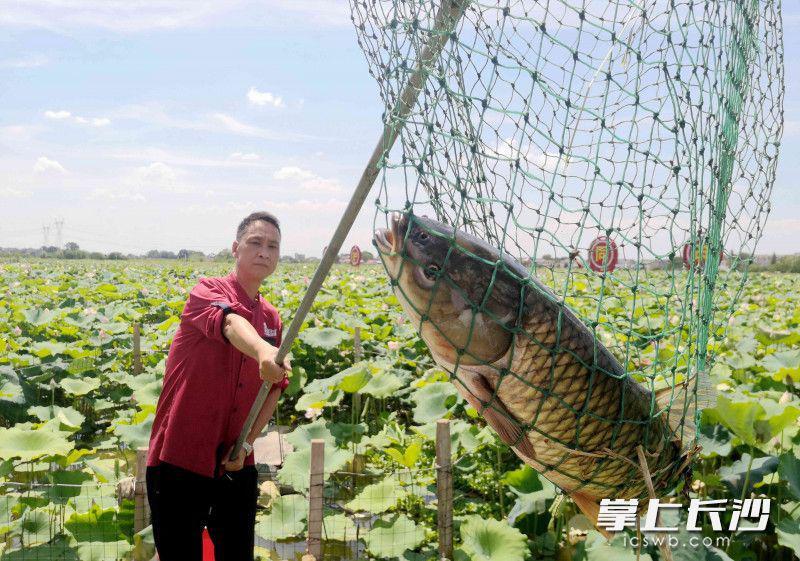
(307, 180)
(11, 193)
(157, 172)
(157, 176)
(32, 61)
(93, 121)
(64, 115)
(184, 159)
(232, 125)
(529, 153)
(264, 98)
(161, 116)
(244, 157)
(293, 173)
(45, 165)
(57, 115)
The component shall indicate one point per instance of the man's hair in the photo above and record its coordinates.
(252, 217)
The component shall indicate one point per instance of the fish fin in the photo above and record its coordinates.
(479, 394)
(590, 507)
(679, 399)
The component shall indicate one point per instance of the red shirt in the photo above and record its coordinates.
(209, 385)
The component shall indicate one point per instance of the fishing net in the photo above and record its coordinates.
(648, 129)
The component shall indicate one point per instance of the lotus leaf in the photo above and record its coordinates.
(17, 442)
(339, 527)
(286, 518)
(325, 338)
(492, 540)
(435, 401)
(103, 550)
(296, 465)
(82, 386)
(378, 497)
(389, 539)
(95, 525)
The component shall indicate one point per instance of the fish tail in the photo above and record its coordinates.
(590, 507)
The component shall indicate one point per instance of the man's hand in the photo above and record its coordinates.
(233, 465)
(269, 370)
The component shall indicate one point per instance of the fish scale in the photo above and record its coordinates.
(532, 361)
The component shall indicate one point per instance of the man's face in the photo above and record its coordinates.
(258, 251)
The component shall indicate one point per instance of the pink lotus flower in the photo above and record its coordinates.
(393, 345)
(313, 412)
(17, 331)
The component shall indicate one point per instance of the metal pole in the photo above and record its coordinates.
(446, 19)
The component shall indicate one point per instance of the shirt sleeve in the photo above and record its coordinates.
(206, 310)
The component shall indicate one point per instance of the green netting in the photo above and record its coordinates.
(530, 129)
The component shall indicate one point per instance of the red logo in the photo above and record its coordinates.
(698, 260)
(355, 256)
(603, 255)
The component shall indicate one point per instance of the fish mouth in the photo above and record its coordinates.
(387, 240)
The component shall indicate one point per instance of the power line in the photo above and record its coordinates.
(59, 224)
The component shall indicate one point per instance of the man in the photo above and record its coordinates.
(223, 349)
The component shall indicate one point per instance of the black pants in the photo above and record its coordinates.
(182, 503)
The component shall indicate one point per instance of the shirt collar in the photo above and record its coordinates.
(241, 293)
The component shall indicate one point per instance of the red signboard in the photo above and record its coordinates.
(603, 255)
(355, 256)
(700, 255)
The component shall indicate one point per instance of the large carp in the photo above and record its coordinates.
(534, 371)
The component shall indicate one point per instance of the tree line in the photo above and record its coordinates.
(72, 250)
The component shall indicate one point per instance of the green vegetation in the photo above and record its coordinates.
(72, 412)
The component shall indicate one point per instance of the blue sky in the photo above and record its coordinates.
(160, 123)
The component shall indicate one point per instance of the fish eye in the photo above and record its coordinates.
(431, 272)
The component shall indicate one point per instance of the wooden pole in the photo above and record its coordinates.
(357, 356)
(357, 350)
(137, 350)
(666, 552)
(141, 514)
(316, 483)
(444, 489)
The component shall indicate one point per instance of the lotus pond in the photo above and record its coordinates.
(72, 414)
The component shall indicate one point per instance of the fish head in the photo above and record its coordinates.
(454, 287)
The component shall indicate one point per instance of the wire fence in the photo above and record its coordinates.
(53, 510)
(363, 516)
